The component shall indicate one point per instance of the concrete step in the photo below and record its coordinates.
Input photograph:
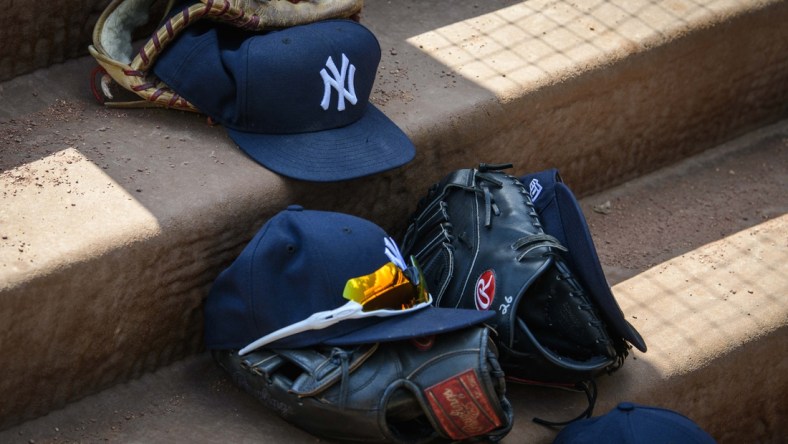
(697, 255)
(114, 223)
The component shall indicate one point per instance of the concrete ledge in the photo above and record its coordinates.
(114, 223)
(711, 320)
(713, 313)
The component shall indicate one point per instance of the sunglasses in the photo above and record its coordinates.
(393, 289)
(388, 288)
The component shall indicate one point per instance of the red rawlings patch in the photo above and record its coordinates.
(461, 407)
(485, 290)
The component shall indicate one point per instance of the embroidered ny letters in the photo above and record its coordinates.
(337, 82)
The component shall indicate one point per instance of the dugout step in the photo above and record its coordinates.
(115, 222)
(709, 305)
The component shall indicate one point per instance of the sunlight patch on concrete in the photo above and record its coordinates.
(534, 43)
(63, 207)
(698, 306)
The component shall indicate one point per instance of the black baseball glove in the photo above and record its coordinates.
(481, 245)
(447, 387)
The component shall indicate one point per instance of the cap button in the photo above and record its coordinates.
(295, 208)
(626, 406)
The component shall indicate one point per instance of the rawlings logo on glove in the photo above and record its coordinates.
(461, 407)
(485, 290)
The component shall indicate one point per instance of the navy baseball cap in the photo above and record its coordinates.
(562, 218)
(631, 423)
(295, 100)
(297, 265)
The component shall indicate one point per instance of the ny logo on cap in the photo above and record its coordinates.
(337, 82)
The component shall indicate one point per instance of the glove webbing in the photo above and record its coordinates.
(433, 210)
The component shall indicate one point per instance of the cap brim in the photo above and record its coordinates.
(634, 423)
(562, 218)
(579, 242)
(425, 322)
(370, 145)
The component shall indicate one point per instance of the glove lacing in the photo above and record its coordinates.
(531, 242)
(589, 388)
(342, 357)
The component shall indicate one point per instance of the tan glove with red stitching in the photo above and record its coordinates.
(112, 38)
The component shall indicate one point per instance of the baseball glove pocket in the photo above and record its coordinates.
(556, 320)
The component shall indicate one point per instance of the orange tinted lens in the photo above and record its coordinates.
(386, 288)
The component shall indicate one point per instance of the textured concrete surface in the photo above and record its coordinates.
(114, 223)
(39, 34)
(710, 303)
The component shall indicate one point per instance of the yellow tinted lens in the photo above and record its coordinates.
(423, 294)
(386, 288)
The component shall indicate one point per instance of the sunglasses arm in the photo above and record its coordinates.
(317, 321)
